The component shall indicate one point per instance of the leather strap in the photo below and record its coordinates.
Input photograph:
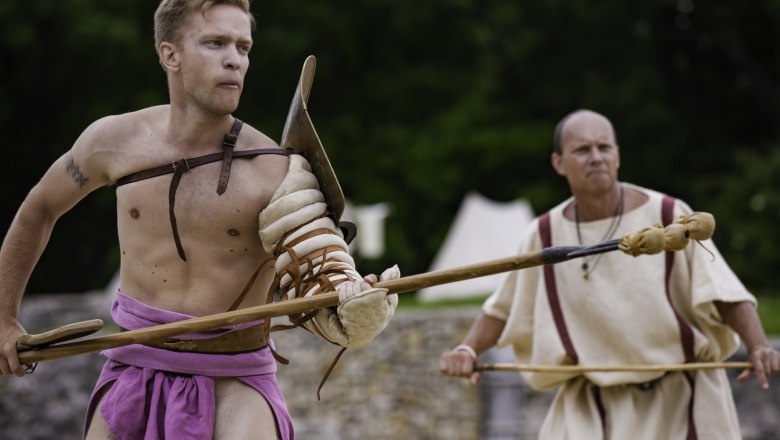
(686, 332)
(196, 162)
(239, 341)
(308, 235)
(248, 285)
(692, 433)
(552, 292)
(181, 166)
(228, 145)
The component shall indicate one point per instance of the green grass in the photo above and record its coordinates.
(410, 301)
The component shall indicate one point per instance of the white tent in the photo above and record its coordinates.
(370, 222)
(482, 230)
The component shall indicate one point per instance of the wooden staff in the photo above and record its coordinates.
(697, 226)
(578, 369)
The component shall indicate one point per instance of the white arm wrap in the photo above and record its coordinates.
(296, 201)
(312, 256)
(311, 245)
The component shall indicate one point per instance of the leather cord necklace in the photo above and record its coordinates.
(587, 267)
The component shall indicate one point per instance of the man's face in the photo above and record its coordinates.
(214, 54)
(590, 158)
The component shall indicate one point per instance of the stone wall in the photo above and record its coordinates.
(388, 390)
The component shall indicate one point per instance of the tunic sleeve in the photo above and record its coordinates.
(515, 299)
(710, 279)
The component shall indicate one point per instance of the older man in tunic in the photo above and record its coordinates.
(608, 309)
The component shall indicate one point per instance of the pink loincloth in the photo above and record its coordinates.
(162, 394)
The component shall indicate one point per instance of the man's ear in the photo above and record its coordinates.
(557, 163)
(169, 56)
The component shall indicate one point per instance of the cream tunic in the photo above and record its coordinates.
(621, 315)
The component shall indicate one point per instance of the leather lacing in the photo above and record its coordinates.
(302, 283)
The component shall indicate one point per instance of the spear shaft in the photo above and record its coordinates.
(697, 226)
(290, 307)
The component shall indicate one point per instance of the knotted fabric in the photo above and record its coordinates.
(161, 394)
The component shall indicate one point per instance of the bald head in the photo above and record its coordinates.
(579, 121)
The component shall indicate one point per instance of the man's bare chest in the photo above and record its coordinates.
(187, 203)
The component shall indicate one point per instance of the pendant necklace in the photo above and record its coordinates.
(590, 262)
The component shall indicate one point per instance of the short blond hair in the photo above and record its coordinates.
(171, 15)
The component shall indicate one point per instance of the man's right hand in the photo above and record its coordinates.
(459, 363)
(364, 311)
(10, 331)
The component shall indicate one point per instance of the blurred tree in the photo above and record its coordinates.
(62, 66)
(747, 203)
(419, 102)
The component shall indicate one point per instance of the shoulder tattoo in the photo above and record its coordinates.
(73, 169)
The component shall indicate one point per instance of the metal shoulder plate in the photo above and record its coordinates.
(299, 135)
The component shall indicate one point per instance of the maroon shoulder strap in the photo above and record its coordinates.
(686, 333)
(552, 291)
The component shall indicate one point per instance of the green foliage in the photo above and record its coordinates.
(769, 311)
(418, 103)
(63, 65)
(748, 205)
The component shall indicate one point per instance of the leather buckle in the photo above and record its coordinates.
(180, 344)
(181, 162)
(229, 140)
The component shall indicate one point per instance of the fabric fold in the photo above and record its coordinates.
(150, 393)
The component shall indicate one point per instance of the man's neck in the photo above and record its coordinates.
(592, 207)
(197, 131)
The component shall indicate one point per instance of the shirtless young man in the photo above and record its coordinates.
(196, 238)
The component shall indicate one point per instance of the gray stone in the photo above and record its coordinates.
(390, 389)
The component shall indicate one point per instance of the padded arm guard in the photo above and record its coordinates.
(312, 257)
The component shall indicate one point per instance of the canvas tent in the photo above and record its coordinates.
(482, 230)
(370, 222)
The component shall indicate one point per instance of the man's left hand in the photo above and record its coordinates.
(766, 362)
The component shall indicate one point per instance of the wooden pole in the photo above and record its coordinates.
(697, 226)
(578, 369)
(293, 306)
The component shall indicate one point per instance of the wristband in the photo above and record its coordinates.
(467, 349)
